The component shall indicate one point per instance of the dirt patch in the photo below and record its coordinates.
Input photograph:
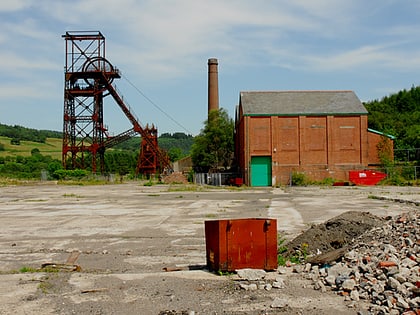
(334, 234)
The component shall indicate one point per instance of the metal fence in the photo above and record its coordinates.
(397, 172)
(407, 155)
(407, 172)
(214, 179)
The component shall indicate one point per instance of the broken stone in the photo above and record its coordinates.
(348, 284)
(381, 267)
(279, 303)
(354, 295)
(251, 274)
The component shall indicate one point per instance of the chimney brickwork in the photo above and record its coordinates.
(213, 85)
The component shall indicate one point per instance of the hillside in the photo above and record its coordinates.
(399, 115)
(51, 147)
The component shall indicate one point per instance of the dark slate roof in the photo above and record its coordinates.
(293, 103)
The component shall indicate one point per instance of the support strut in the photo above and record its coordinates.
(88, 80)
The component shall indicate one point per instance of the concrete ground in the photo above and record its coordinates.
(127, 234)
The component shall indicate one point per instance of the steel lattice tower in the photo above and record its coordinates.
(88, 80)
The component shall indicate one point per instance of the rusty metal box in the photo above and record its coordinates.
(241, 243)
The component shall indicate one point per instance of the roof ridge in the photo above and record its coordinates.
(297, 91)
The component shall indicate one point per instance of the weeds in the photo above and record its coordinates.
(28, 270)
(297, 257)
(45, 287)
(225, 273)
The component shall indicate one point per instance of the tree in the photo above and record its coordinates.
(213, 148)
(398, 115)
(174, 154)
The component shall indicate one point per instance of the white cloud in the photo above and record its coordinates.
(15, 5)
(163, 42)
(12, 63)
(34, 91)
(365, 58)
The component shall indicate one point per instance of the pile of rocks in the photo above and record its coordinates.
(382, 268)
(175, 178)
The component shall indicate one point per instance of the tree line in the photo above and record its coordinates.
(398, 115)
(121, 159)
(17, 133)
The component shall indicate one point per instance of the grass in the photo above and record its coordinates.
(26, 269)
(52, 147)
(178, 188)
(72, 196)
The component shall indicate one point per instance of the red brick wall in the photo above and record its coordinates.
(373, 140)
(313, 140)
(260, 136)
(322, 146)
(286, 140)
(346, 141)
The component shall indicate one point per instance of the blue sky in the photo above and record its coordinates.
(162, 48)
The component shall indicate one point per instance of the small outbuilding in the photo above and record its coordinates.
(323, 134)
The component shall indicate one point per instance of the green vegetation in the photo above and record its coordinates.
(178, 145)
(26, 269)
(41, 157)
(300, 179)
(51, 147)
(398, 115)
(213, 148)
(18, 133)
(283, 255)
(32, 154)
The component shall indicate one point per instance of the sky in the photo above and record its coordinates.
(162, 47)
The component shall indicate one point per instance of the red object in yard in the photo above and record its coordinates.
(241, 243)
(238, 181)
(366, 177)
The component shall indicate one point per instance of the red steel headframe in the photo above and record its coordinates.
(88, 79)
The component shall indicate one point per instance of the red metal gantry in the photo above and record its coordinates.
(88, 80)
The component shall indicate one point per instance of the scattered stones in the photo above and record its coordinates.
(279, 283)
(254, 279)
(251, 274)
(382, 267)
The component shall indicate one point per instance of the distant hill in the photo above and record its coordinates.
(398, 115)
(51, 146)
(49, 142)
(28, 134)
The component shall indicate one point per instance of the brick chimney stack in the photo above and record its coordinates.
(213, 85)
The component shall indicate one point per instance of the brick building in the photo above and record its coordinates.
(321, 133)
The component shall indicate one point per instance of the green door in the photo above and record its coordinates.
(261, 171)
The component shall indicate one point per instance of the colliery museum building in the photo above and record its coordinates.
(323, 134)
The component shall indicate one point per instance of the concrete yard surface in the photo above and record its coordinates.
(127, 235)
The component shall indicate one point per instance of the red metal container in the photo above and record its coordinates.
(366, 177)
(241, 243)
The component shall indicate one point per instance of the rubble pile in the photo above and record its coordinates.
(382, 267)
(336, 233)
(175, 178)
